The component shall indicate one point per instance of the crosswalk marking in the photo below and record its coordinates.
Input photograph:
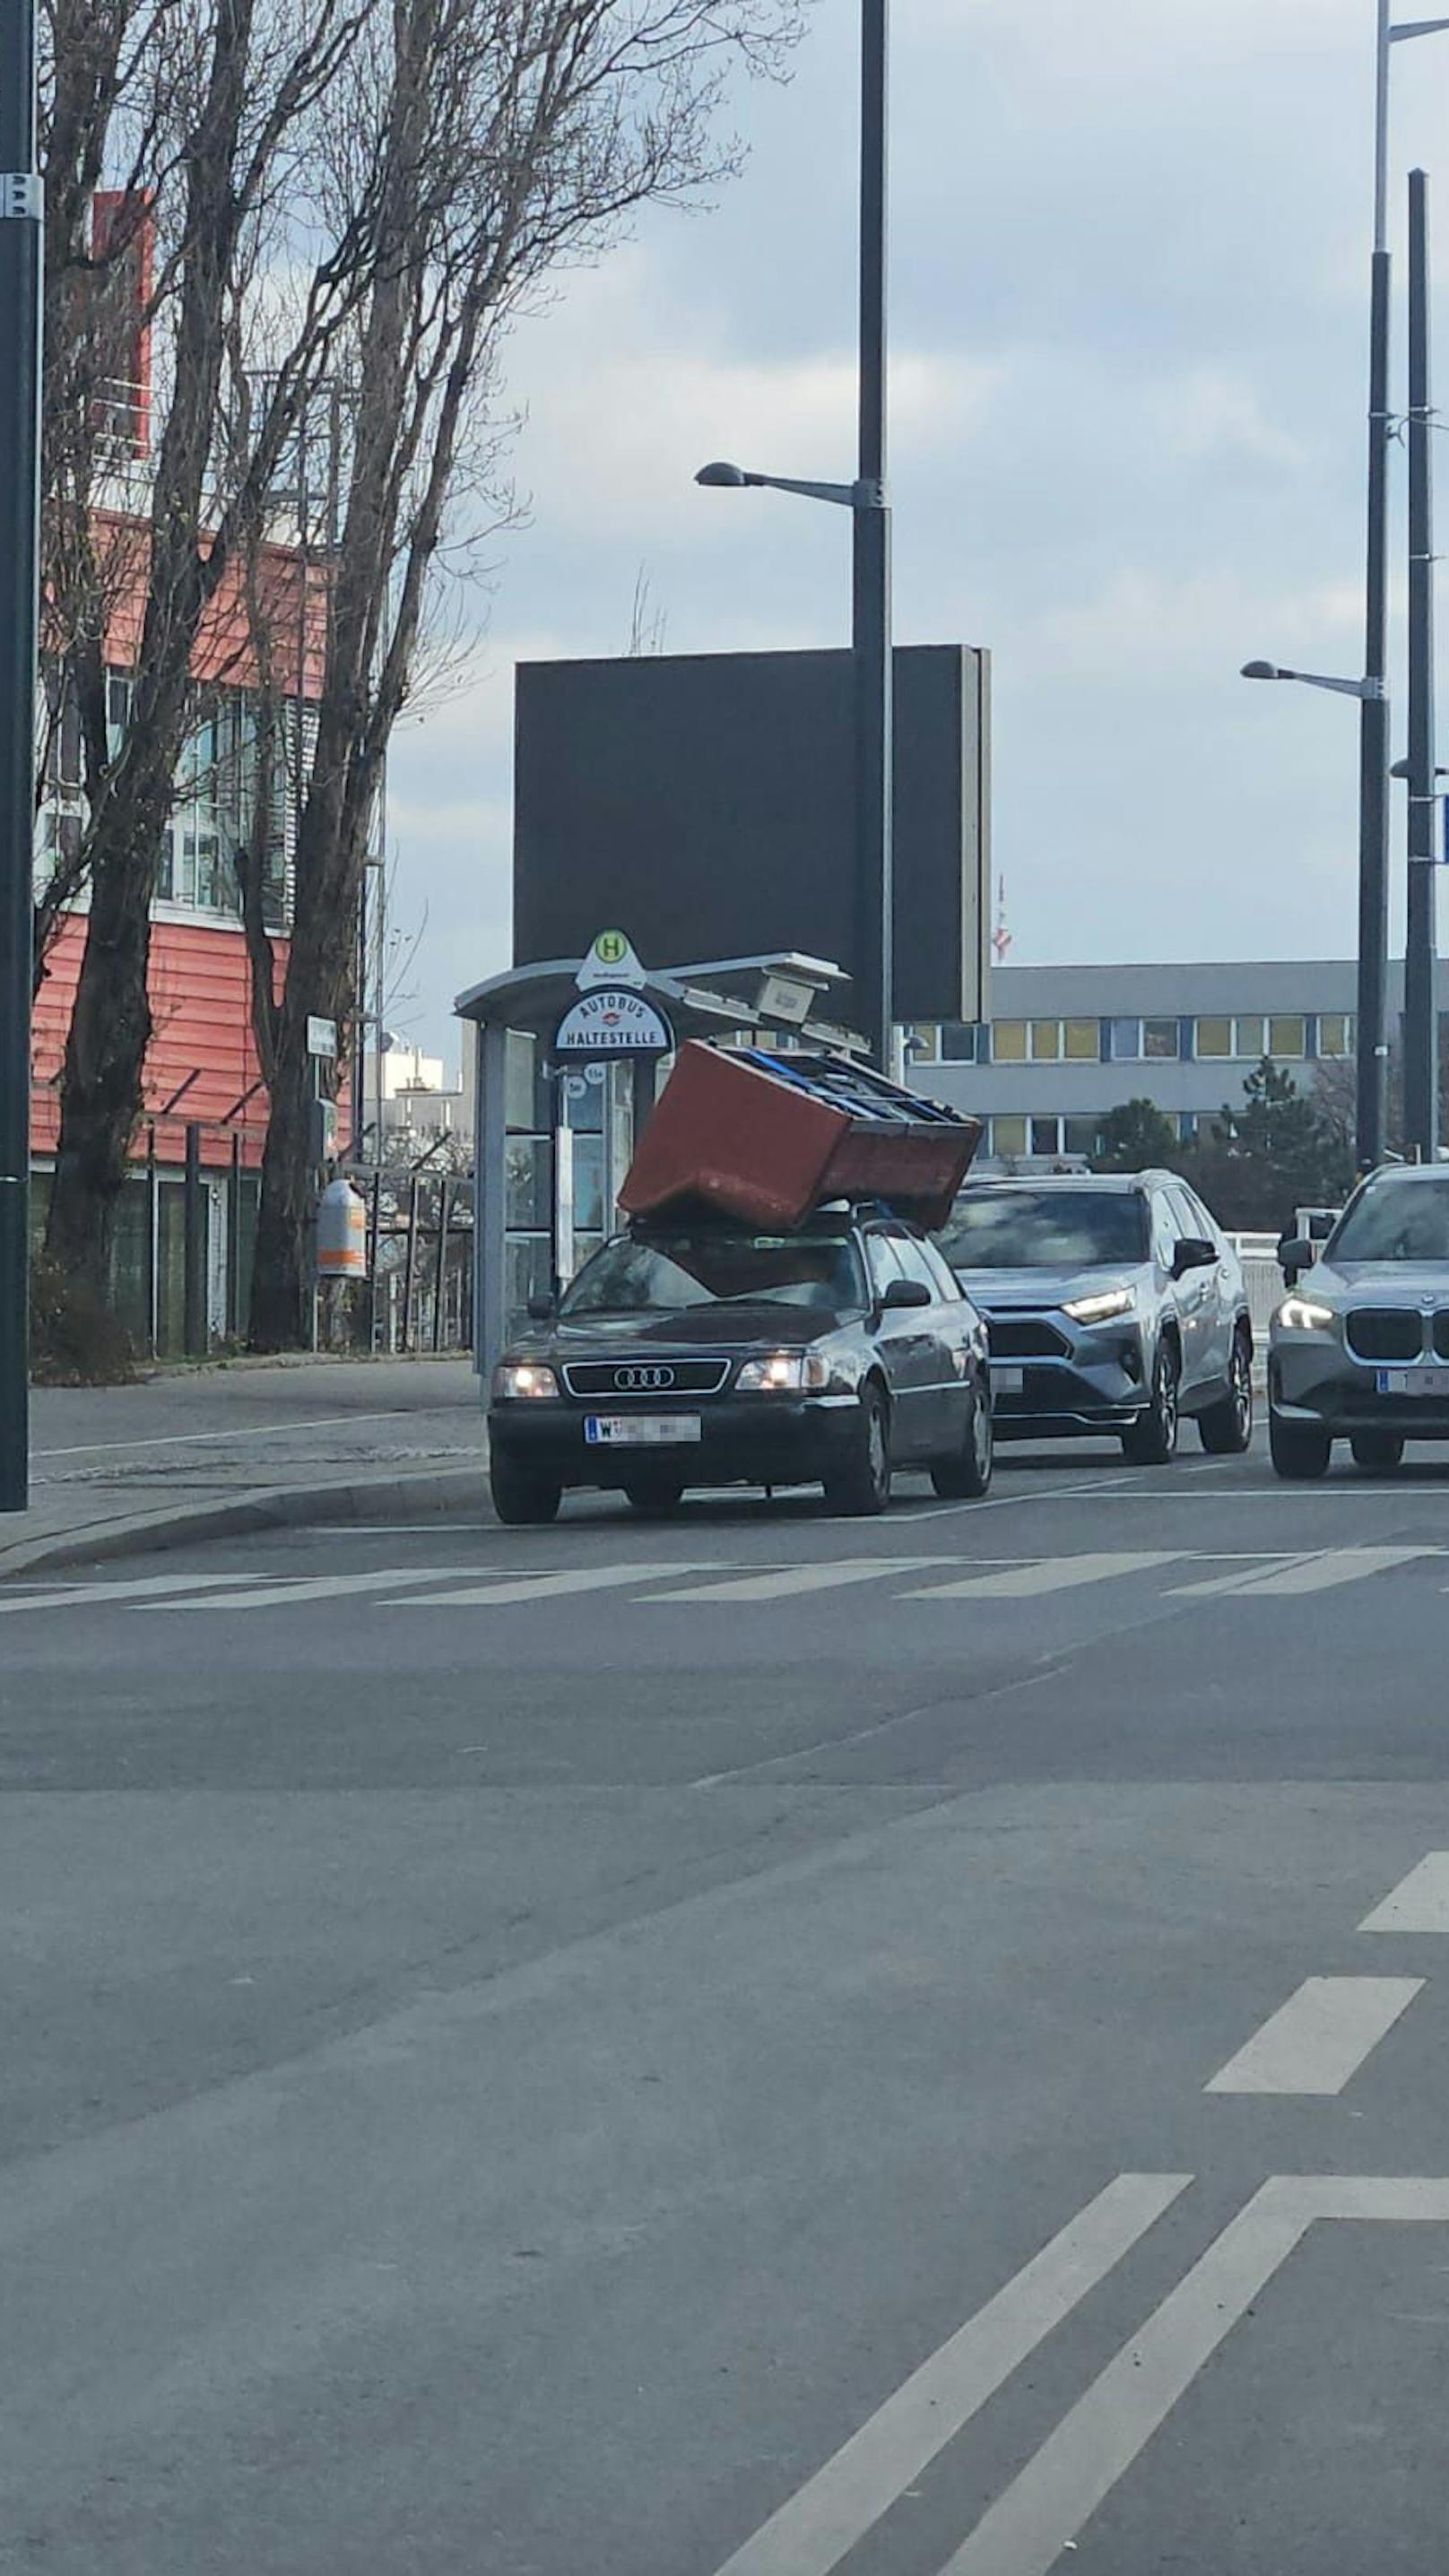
(802, 1579)
(1420, 1902)
(1319, 2038)
(1323, 1573)
(1054, 1574)
(281, 1590)
(763, 1582)
(65, 1596)
(547, 1587)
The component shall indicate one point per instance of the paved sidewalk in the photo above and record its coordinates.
(191, 1453)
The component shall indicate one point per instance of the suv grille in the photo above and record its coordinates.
(1384, 1333)
(646, 1377)
(1441, 1334)
(1026, 1337)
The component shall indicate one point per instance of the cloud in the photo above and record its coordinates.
(1129, 274)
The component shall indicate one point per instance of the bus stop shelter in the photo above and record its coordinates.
(556, 1133)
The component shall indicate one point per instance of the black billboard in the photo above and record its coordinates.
(704, 803)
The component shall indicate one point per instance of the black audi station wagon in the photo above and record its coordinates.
(709, 1354)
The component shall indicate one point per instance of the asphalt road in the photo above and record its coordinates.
(749, 2042)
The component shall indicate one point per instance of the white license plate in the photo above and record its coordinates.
(640, 1430)
(1413, 1381)
(1007, 1381)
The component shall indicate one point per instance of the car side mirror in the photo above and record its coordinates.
(1296, 1254)
(1193, 1252)
(904, 1292)
(542, 1308)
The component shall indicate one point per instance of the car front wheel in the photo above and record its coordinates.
(1152, 1440)
(861, 1484)
(522, 1498)
(966, 1474)
(1300, 1451)
(1226, 1429)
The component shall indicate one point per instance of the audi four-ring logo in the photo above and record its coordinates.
(643, 1381)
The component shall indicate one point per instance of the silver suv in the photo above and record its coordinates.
(1114, 1304)
(1359, 1349)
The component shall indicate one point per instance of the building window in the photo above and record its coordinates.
(1008, 1135)
(958, 1042)
(1160, 1039)
(1335, 1033)
(1252, 1039)
(1081, 1041)
(923, 1042)
(1213, 1038)
(1288, 1037)
(1046, 1136)
(1008, 1041)
(1081, 1135)
(1046, 1041)
(1126, 1041)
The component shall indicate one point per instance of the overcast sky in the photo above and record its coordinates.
(1129, 274)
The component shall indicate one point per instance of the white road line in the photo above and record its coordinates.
(280, 1591)
(546, 1587)
(1420, 1902)
(1053, 1574)
(803, 1578)
(253, 1431)
(1240, 1581)
(847, 2497)
(1032, 2522)
(133, 1588)
(1328, 1572)
(1319, 2038)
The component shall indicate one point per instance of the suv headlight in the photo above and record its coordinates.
(1101, 1308)
(521, 1378)
(1304, 1315)
(785, 1373)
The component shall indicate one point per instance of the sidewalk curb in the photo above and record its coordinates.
(348, 1498)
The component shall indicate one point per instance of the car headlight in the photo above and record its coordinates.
(1101, 1308)
(1304, 1315)
(785, 1373)
(523, 1378)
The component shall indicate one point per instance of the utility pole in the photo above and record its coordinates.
(1373, 789)
(21, 204)
(871, 582)
(1421, 1018)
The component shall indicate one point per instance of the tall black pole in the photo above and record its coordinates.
(20, 214)
(871, 586)
(1421, 1032)
(1373, 797)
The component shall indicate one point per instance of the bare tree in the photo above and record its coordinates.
(509, 135)
(256, 72)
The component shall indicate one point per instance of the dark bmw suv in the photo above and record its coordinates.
(709, 1354)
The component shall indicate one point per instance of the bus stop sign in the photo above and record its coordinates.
(613, 1021)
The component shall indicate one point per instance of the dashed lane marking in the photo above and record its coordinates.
(1319, 2038)
(1420, 1902)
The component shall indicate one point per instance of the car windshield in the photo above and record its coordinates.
(1046, 1230)
(1396, 1221)
(660, 1274)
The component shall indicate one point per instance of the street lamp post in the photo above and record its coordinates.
(866, 499)
(1373, 879)
(1421, 1018)
(20, 213)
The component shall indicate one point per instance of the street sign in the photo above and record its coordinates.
(611, 1021)
(322, 1038)
(611, 960)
